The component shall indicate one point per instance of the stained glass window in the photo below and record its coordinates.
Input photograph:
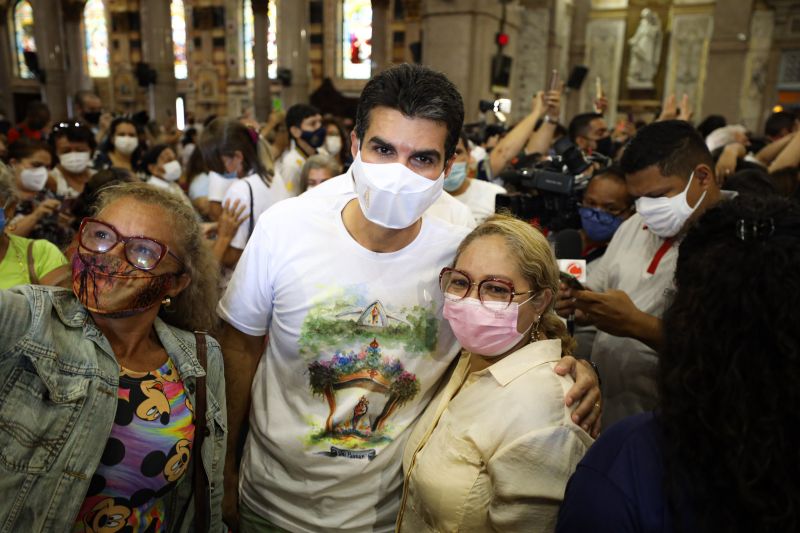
(249, 39)
(178, 14)
(23, 35)
(96, 38)
(356, 39)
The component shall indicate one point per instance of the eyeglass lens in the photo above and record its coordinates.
(459, 285)
(141, 253)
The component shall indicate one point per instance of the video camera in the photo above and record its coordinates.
(547, 191)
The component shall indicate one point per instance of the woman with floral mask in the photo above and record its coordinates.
(479, 195)
(38, 212)
(108, 400)
(496, 446)
(121, 148)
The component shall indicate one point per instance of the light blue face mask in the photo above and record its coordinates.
(454, 180)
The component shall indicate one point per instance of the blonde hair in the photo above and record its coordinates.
(194, 309)
(537, 263)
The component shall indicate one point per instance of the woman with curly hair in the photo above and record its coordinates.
(719, 454)
(103, 387)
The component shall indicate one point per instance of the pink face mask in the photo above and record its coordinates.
(488, 329)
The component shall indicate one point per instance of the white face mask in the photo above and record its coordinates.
(333, 144)
(172, 171)
(75, 162)
(391, 195)
(125, 145)
(33, 179)
(666, 216)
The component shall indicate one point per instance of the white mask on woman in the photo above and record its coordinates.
(75, 162)
(172, 171)
(33, 179)
(333, 144)
(125, 145)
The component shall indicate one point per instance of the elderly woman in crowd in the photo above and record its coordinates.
(496, 446)
(25, 260)
(103, 387)
(317, 169)
(719, 453)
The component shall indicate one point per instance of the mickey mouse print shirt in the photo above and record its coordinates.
(146, 454)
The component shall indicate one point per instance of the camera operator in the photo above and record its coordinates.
(669, 169)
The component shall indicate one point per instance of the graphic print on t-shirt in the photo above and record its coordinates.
(354, 352)
(146, 454)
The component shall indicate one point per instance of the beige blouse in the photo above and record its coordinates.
(496, 454)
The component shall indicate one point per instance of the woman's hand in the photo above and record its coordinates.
(230, 219)
(585, 391)
(46, 208)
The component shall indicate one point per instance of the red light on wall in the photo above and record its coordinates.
(501, 39)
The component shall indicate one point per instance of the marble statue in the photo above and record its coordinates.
(645, 53)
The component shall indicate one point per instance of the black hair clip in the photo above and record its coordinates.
(749, 230)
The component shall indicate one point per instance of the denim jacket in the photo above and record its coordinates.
(58, 400)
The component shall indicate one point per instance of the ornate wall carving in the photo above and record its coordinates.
(688, 55)
(605, 39)
(751, 101)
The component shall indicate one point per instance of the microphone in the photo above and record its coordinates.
(569, 246)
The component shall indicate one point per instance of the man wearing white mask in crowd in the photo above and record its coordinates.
(669, 169)
(74, 146)
(356, 343)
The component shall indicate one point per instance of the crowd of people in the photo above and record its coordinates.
(326, 323)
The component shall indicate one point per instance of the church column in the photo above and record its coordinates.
(158, 53)
(6, 69)
(572, 103)
(77, 74)
(725, 68)
(292, 37)
(471, 26)
(50, 53)
(381, 36)
(262, 98)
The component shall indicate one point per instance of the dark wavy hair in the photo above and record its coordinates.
(417, 92)
(730, 370)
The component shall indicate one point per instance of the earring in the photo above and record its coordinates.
(166, 302)
(535, 329)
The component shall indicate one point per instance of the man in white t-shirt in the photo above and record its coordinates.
(668, 167)
(345, 285)
(307, 135)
